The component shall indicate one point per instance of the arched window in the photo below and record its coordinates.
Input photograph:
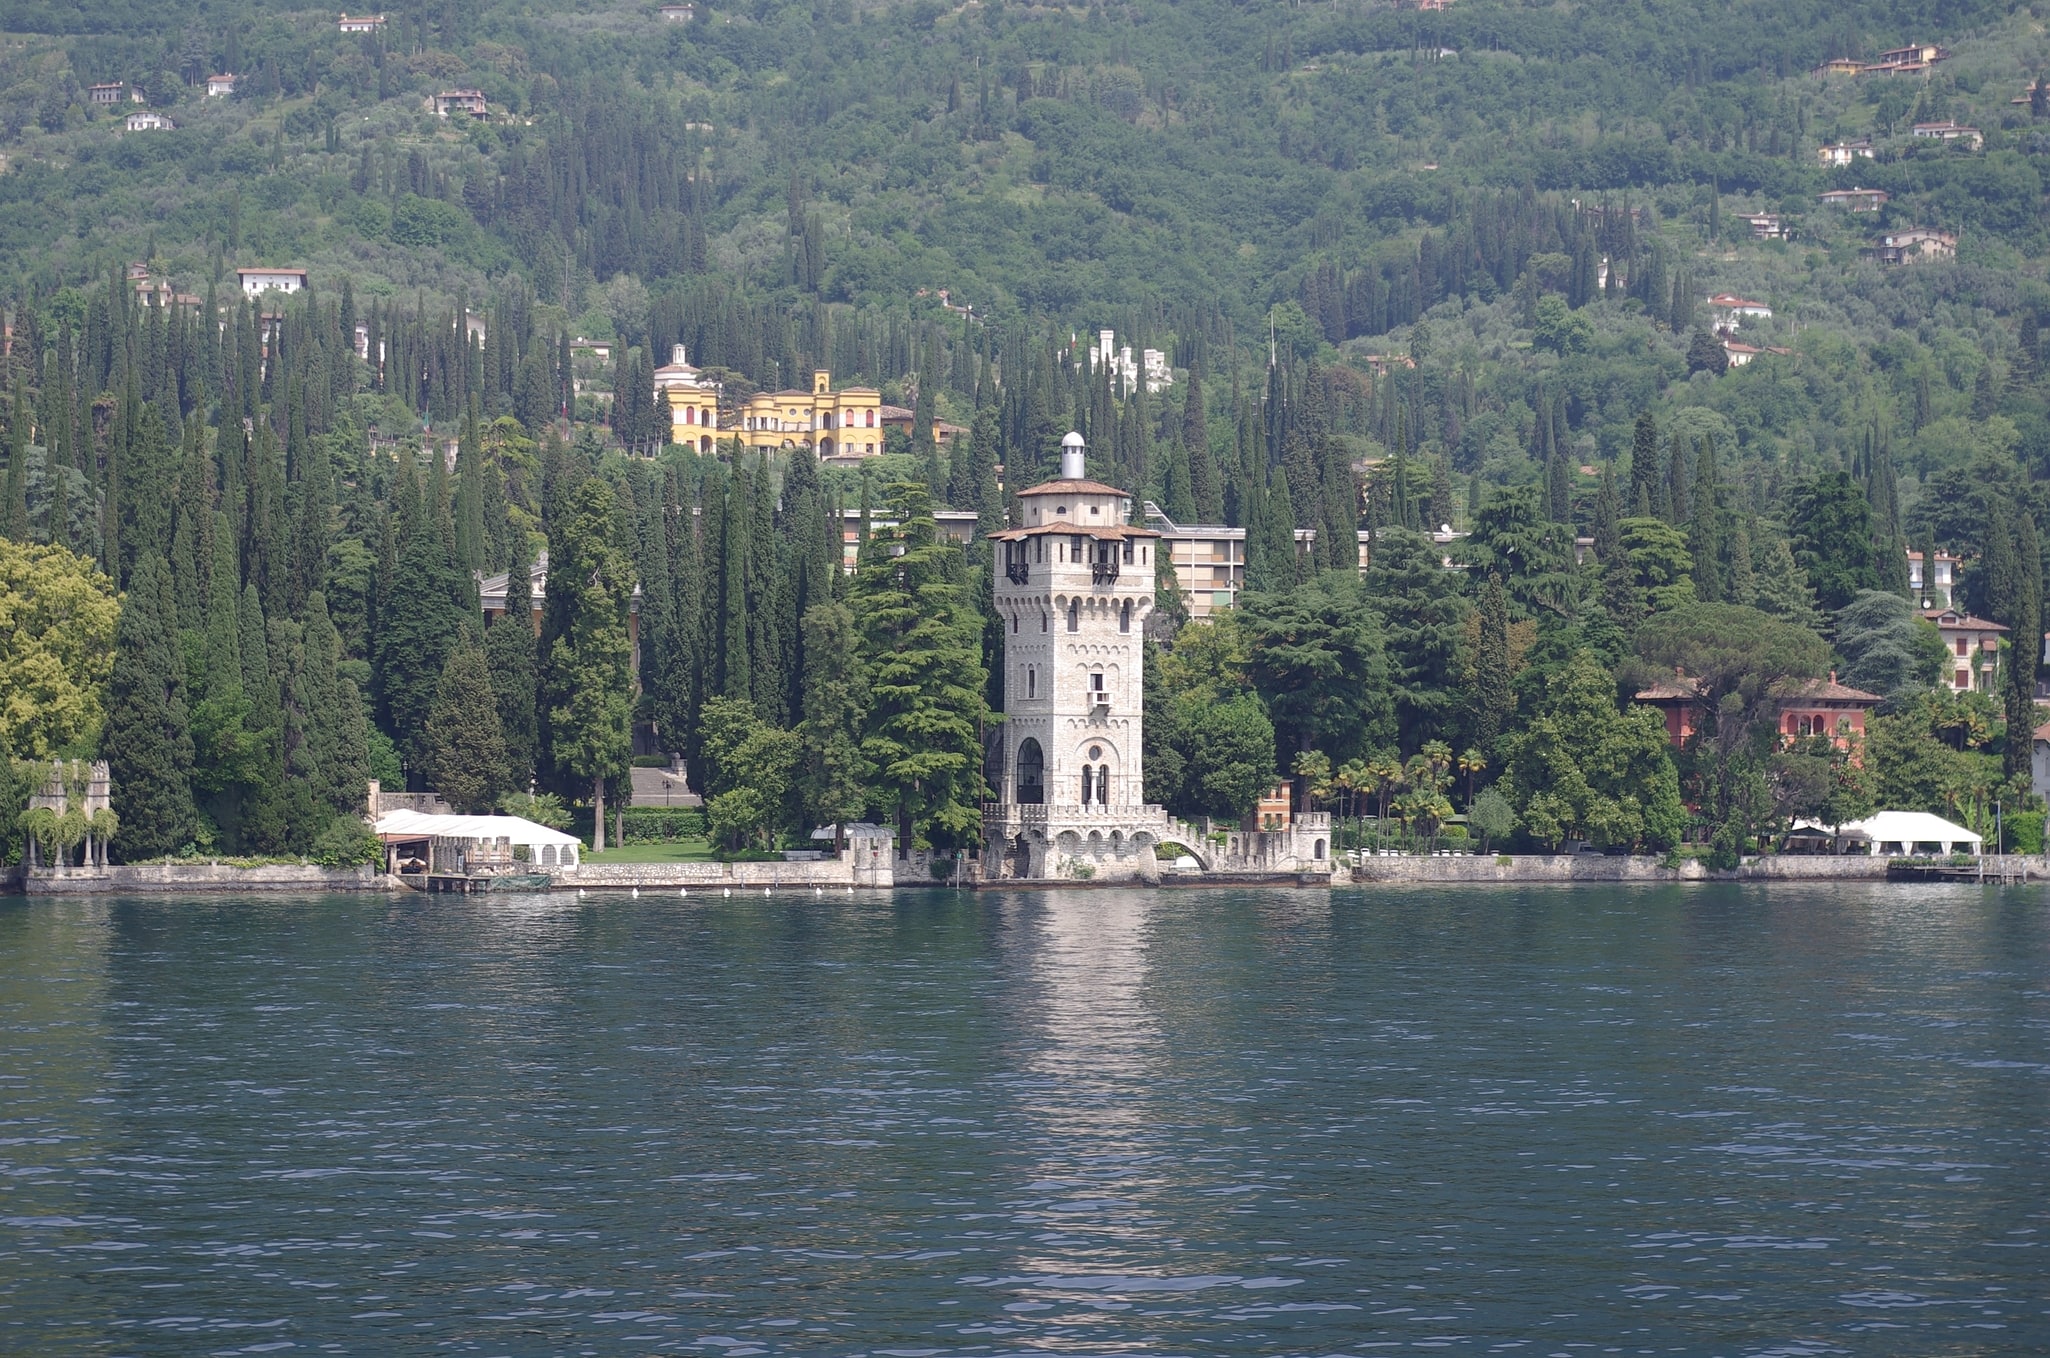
(1103, 784)
(1074, 615)
(1125, 617)
(1088, 774)
(1031, 773)
(547, 855)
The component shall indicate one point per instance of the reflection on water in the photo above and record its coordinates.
(1711, 1120)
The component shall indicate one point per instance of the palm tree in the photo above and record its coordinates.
(1314, 768)
(1472, 762)
(1385, 772)
(1350, 779)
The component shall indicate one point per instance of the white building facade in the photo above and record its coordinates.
(1074, 585)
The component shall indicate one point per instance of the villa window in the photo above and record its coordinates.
(1125, 617)
(1074, 615)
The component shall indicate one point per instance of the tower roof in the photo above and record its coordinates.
(1073, 487)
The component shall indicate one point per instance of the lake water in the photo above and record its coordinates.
(1705, 1119)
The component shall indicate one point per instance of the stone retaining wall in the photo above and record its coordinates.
(139, 878)
(1590, 868)
(838, 873)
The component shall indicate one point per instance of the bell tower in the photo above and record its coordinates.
(1074, 586)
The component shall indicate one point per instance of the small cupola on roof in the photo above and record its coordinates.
(1073, 462)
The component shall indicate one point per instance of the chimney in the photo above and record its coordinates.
(1073, 466)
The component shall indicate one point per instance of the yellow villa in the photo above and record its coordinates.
(843, 424)
(693, 402)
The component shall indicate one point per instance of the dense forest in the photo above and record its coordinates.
(1412, 270)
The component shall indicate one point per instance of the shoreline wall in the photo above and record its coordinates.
(1590, 868)
(145, 878)
(849, 871)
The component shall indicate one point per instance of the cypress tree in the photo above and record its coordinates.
(734, 671)
(832, 786)
(418, 619)
(1559, 488)
(335, 730)
(1492, 695)
(2025, 628)
(14, 521)
(587, 672)
(509, 651)
(1608, 534)
(465, 744)
(147, 740)
(1644, 468)
(1678, 506)
(766, 631)
(1705, 531)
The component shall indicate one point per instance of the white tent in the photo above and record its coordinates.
(546, 848)
(1897, 834)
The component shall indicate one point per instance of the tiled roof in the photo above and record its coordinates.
(1072, 488)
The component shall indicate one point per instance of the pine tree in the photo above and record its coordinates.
(922, 647)
(147, 741)
(465, 744)
(1783, 588)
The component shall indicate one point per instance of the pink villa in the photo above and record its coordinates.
(1817, 707)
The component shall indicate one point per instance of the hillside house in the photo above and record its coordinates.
(261, 280)
(900, 419)
(491, 599)
(1814, 707)
(678, 14)
(1936, 593)
(114, 93)
(1914, 246)
(1838, 66)
(1844, 152)
(220, 86)
(1740, 354)
(471, 102)
(1950, 131)
(1764, 225)
(1974, 646)
(149, 121)
(1856, 200)
(1927, 53)
(361, 23)
(1731, 310)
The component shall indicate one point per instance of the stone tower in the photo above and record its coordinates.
(1074, 585)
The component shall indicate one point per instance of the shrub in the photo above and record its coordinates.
(347, 843)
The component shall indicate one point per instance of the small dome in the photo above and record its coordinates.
(1072, 440)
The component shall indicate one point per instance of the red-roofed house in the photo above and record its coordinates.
(1815, 707)
(1974, 646)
